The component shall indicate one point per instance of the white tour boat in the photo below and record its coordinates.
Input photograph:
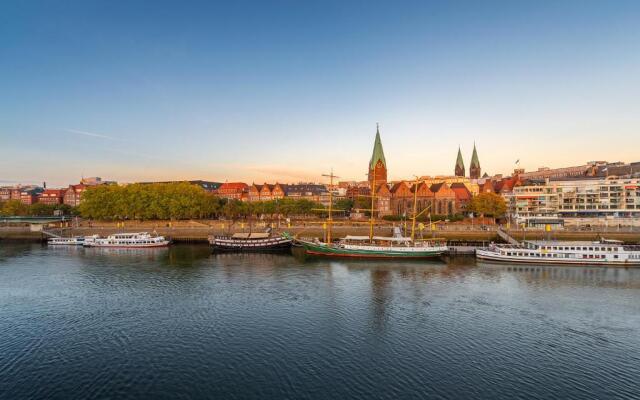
(603, 252)
(66, 241)
(127, 240)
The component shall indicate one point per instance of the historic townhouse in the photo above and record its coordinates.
(463, 197)
(29, 197)
(73, 195)
(233, 190)
(52, 196)
(254, 192)
(5, 193)
(308, 191)
(383, 200)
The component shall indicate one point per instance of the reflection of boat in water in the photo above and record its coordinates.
(66, 241)
(265, 241)
(146, 253)
(603, 252)
(126, 240)
(562, 274)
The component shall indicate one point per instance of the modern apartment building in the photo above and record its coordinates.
(596, 201)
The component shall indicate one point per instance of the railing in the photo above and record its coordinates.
(505, 236)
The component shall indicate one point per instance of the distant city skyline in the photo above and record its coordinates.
(285, 91)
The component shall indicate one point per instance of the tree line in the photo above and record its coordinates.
(182, 200)
(17, 208)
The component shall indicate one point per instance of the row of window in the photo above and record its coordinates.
(556, 255)
(579, 248)
(131, 242)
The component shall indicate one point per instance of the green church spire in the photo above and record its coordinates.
(475, 162)
(378, 153)
(474, 169)
(459, 169)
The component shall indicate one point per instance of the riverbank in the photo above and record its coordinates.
(198, 233)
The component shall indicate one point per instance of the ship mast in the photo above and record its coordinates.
(415, 210)
(373, 198)
(330, 219)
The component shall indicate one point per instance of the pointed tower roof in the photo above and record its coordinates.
(475, 162)
(459, 160)
(378, 153)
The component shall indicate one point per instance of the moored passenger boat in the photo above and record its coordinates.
(603, 252)
(66, 241)
(251, 242)
(127, 240)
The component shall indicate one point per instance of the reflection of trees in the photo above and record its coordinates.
(17, 249)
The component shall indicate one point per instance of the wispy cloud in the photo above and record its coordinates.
(92, 134)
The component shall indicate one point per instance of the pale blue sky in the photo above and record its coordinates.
(285, 90)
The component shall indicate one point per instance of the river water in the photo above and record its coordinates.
(184, 323)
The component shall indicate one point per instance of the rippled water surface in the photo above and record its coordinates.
(183, 323)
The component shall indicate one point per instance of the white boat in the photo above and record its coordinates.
(603, 252)
(127, 240)
(66, 241)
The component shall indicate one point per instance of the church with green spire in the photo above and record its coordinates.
(459, 169)
(377, 164)
(474, 169)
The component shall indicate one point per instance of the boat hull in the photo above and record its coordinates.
(314, 249)
(131, 246)
(267, 245)
(64, 243)
(492, 256)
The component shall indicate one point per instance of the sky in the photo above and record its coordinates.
(286, 90)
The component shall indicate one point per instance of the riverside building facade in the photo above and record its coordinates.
(599, 201)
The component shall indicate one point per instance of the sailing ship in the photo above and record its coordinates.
(396, 246)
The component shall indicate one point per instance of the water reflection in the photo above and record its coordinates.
(108, 323)
(559, 275)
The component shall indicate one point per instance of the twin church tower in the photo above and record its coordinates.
(474, 168)
(378, 164)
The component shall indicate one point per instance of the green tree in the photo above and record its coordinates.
(14, 208)
(41, 210)
(149, 201)
(489, 205)
(344, 204)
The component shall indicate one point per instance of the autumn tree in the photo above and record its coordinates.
(489, 205)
